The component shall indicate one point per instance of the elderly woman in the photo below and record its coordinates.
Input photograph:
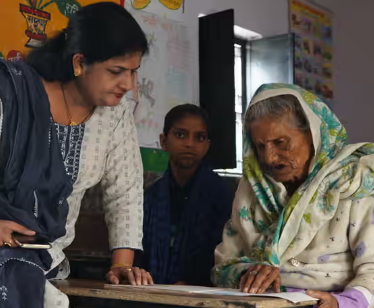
(303, 215)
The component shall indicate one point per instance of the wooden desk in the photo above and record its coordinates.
(93, 289)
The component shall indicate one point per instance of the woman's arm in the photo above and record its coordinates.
(360, 235)
(123, 195)
(123, 256)
(359, 293)
(354, 298)
(123, 187)
(350, 298)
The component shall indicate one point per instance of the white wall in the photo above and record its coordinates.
(267, 17)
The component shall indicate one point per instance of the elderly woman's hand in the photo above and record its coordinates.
(129, 275)
(326, 300)
(259, 278)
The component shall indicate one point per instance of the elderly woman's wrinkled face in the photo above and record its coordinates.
(283, 151)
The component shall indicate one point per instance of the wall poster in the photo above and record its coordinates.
(312, 27)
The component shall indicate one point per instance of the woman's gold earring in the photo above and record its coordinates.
(77, 74)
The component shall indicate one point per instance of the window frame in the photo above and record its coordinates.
(244, 56)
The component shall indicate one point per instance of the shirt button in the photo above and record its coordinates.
(295, 262)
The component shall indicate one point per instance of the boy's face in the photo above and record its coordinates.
(187, 142)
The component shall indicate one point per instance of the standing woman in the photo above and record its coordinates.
(65, 127)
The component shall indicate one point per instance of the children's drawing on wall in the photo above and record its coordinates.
(14, 55)
(152, 42)
(145, 116)
(28, 23)
(167, 8)
(172, 4)
(145, 90)
(37, 18)
(164, 78)
(169, 4)
(140, 4)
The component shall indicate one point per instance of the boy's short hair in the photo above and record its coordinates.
(179, 112)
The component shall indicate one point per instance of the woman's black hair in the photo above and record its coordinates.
(99, 32)
(179, 112)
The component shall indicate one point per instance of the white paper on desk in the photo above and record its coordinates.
(294, 297)
(178, 288)
(182, 288)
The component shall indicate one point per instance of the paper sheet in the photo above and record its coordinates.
(294, 297)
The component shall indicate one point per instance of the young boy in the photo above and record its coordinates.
(184, 211)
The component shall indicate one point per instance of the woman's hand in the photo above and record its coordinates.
(129, 275)
(259, 278)
(7, 227)
(326, 300)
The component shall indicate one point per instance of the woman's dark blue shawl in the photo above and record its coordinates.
(33, 182)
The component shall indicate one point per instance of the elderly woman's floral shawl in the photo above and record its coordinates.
(306, 235)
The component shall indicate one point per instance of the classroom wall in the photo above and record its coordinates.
(353, 49)
(266, 17)
(354, 66)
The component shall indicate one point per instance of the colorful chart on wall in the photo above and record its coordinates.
(312, 26)
(172, 9)
(164, 78)
(27, 24)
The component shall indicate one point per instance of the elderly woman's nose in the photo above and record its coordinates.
(270, 155)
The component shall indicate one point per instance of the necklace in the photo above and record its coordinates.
(71, 121)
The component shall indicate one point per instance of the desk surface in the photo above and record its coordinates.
(89, 288)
